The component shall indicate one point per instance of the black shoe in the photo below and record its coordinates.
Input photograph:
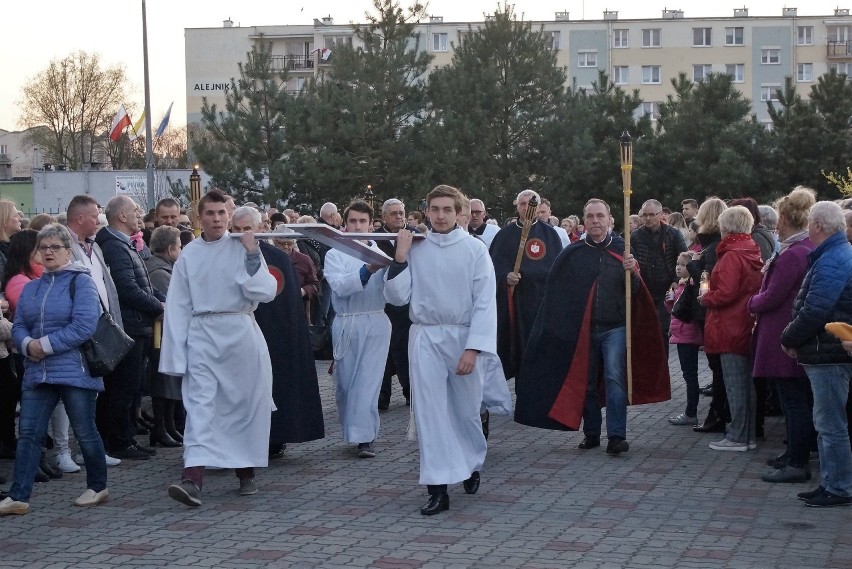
(811, 494)
(617, 446)
(141, 428)
(163, 439)
(130, 453)
(589, 442)
(471, 485)
(827, 500)
(41, 476)
(787, 474)
(277, 451)
(437, 503)
(485, 418)
(44, 466)
(710, 425)
(174, 434)
(779, 461)
(707, 390)
(147, 450)
(384, 402)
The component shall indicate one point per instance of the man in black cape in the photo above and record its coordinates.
(560, 382)
(294, 375)
(517, 306)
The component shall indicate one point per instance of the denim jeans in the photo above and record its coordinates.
(830, 386)
(688, 356)
(794, 394)
(36, 408)
(741, 397)
(610, 349)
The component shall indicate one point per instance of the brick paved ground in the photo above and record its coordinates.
(669, 502)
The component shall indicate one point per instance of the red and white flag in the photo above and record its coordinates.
(325, 54)
(119, 123)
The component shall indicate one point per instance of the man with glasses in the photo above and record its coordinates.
(656, 246)
(478, 226)
(393, 219)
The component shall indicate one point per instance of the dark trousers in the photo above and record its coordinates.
(10, 394)
(397, 363)
(797, 402)
(688, 356)
(116, 416)
(663, 315)
(195, 474)
(719, 401)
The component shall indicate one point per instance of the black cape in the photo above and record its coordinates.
(515, 322)
(551, 386)
(294, 375)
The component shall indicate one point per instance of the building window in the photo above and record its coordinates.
(700, 72)
(701, 37)
(650, 109)
(331, 41)
(651, 37)
(733, 36)
(439, 42)
(805, 35)
(587, 59)
(553, 39)
(651, 74)
(4, 148)
(619, 39)
(770, 56)
(840, 69)
(621, 75)
(769, 92)
(300, 83)
(804, 72)
(838, 33)
(736, 71)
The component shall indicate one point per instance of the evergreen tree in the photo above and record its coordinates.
(355, 124)
(489, 107)
(244, 146)
(797, 139)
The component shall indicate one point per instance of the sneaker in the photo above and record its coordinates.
(147, 450)
(110, 461)
(752, 445)
(617, 446)
(683, 419)
(827, 500)
(186, 493)
(10, 506)
(131, 453)
(811, 493)
(725, 444)
(65, 463)
(92, 498)
(365, 450)
(248, 487)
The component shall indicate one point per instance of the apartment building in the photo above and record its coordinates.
(644, 54)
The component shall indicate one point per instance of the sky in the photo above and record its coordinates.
(35, 32)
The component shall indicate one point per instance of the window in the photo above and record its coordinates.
(300, 83)
(587, 59)
(621, 75)
(805, 35)
(331, 41)
(804, 72)
(701, 37)
(4, 149)
(770, 56)
(736, 71)
(733, 36)
(841, 69)
(650, 74)
(650, 109)
(699, 72)
(553, 38)
(619, 38)
(838, 33)
(651, 37)
(439, 42)
(769, 92)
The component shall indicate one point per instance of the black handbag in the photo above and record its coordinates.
(107, 346)
(683, 306)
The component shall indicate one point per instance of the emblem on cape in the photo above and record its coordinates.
(279, 279)
(535, 249)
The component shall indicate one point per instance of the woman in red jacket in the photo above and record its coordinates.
(727, 330)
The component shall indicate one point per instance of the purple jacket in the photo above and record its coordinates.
(773, 306)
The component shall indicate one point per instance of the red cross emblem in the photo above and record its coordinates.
(535, 249)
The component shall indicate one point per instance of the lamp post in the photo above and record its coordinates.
(194, 197)
(369, 197)
(626, 172)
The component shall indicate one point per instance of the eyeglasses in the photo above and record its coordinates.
(476, 212)
(52, 248)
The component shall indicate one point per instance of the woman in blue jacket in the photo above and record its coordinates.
(50, 326)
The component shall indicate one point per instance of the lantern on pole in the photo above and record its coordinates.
(194, 198)
(626, 172)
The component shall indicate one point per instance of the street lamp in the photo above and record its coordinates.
(194, 198)
(369, 196)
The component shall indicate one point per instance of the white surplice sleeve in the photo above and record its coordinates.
(483, 317)
(259, 287)
(398, 285)
(343, 275)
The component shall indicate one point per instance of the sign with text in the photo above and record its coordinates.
(134, 187)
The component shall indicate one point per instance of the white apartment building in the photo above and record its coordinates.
(644, 54)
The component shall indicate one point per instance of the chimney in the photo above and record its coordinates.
(328, 21)
(436, 19)
(229, 23)
(562, 16)
(741, 12)
(789, 12)
(610, 15)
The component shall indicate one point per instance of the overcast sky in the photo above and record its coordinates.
(34, 32)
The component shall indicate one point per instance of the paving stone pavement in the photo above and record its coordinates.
(669, 502)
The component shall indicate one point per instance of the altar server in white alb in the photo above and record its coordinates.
(360, 334)
(211, 339)
(449, 281)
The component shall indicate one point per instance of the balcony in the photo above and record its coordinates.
(839, 49)
(292, 63)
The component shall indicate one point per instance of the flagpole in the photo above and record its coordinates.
(149, 145)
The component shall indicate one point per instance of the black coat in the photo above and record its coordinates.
(657, 259)
(140, 302)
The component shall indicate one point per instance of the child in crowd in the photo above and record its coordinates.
(686, 333)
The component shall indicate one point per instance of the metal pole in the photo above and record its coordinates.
(626, 172)
(149, 143)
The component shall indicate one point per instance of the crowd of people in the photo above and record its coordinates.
(226, 327)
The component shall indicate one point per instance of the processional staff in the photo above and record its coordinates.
(529, 216)
(626, 171)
